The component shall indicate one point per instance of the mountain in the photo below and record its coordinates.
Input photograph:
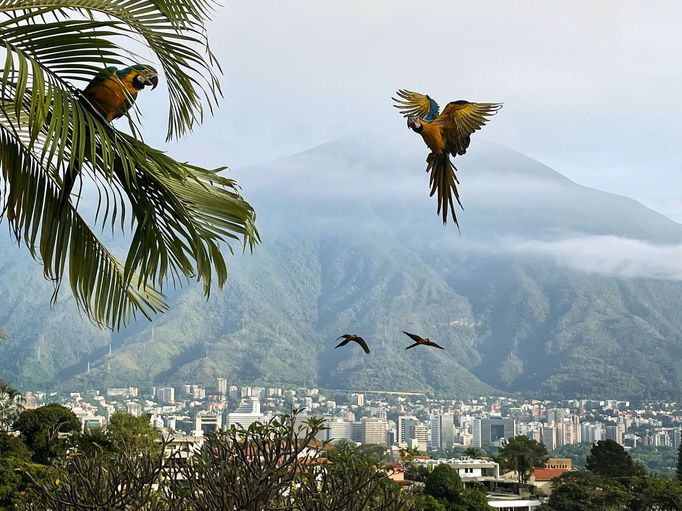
(551, 289)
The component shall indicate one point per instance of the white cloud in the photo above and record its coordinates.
(605, 255)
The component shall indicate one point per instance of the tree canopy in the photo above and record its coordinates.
(40, 430)
(521, 454)
(609, 458)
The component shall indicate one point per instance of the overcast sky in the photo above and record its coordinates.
(590, 88)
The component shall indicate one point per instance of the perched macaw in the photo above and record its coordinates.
(446, 134)
(112, 91)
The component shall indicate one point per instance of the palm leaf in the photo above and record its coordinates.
(3, 335)
(181, 216)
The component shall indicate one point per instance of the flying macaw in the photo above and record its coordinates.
(354, 338)
(447, 133)
(112, 91)
(420, 341)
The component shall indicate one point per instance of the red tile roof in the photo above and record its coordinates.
(547, 474)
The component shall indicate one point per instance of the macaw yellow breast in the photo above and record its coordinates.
(433, 137)
(111, 96)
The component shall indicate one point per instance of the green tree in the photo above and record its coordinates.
(444, 483)
(417, 472)
(654, 493)
(522, 454)
(472, 500)
(474, 452)
(585, 491)
(181, 216)
(17, 487)
(40, 430)
(424, 502)
(609, 458)
(678, 472)
(125, 428)
(13, 446)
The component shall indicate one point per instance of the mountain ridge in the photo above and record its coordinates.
(352, 244)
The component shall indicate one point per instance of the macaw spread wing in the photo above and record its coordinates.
(460, 119)
(414, 104)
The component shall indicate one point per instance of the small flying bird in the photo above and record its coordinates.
(447, 133)
(111, 93)
(420, 340)
(352, 337)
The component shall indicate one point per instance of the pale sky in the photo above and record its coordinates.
(591, 89)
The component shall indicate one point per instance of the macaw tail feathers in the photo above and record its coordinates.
(444, 182)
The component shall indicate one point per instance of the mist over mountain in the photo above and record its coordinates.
(551, 288)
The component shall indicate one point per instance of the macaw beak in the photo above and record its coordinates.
(154, 80)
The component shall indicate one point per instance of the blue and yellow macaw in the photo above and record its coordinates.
(447, 133)
(112, 92)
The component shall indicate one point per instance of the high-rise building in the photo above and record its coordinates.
(357, 399)
(435, 442)
(548, 437)
(491, 430)
(614, 433)
(165, 395)
(555, 415)
(206, 423)
(246, 413)
(134, 408)
(406, 424)
(447, 430)
(442, 431)
(421, 437)
(339, 429)
(373, 431)
(222, 386)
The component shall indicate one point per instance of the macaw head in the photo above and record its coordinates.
(144, 75)
(415, 124)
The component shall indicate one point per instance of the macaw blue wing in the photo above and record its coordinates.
(414, 104)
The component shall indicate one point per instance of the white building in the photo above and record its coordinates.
(246, 413)
(468, 468)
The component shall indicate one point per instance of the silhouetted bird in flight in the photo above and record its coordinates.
(447, 133)
(352, 337)
(420, 340)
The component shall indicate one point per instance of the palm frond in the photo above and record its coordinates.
(65, 243)
(3, 335)
(182, 216)
(174, 30)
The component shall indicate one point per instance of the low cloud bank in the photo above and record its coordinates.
(606, 255)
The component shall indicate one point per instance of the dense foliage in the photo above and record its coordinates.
(521, 454)
(609, 458)
(613, 482)
(40, 429)
(444, 491)
(266, 467)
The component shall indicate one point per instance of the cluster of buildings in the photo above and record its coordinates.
(443, 428)
(390, 419)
